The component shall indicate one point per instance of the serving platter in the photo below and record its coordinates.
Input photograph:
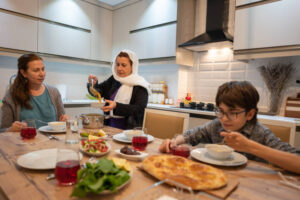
(132, 157)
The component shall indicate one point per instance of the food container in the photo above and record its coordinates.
(220, 152)
(92, 120)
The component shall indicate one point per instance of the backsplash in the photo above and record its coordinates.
(214, 68)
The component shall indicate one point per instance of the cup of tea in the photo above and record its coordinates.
(28, 130)
(67, 165)
(140, 142)
(181, 150)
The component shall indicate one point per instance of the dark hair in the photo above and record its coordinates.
(238, 93)
(20, 89)
(124, 54)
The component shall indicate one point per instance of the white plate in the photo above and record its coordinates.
(132, 157)
(41, 159)
(47, 129)
(235, 159)
(96, 154)
(121, 137)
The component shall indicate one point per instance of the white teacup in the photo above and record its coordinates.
(217, 151)
(57, 126)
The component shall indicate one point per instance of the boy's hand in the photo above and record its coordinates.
(166, 145)
(237, 141)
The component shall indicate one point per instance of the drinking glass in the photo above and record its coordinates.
(67, 165)
(71, 132)
(140, 142)
(29, 130)
(181, 150)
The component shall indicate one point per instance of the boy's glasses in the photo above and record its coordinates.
(229, 115)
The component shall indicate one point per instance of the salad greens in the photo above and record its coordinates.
(100, 176)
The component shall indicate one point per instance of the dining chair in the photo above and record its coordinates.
(283, 132)
(165, 124)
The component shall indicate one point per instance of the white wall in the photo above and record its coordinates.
(210, 71)
(74, 76)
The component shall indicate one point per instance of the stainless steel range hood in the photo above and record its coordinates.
(216, 34)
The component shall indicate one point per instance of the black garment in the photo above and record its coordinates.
(134, 111)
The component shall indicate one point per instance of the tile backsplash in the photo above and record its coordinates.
(210, 71)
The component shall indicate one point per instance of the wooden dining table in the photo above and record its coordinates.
(254, 180)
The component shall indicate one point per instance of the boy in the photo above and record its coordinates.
(237, 124)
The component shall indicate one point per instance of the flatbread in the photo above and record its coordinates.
(195, 175)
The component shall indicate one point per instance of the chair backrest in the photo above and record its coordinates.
(165, 124)
(292, 107)
(283, 132)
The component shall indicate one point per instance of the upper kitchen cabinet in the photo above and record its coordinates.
(18, 32)
(28, 8)
(101, 34)
(246, 2)
(71, 12)
(147, 27)
(267, 30)
(65, 41)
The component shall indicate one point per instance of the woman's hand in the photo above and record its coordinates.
(16, 127)
(111, 105)
(91, 76)
(237, 141)
(64, 117)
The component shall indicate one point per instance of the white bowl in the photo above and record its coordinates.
(57, 126)
(217, 151)
(131, 133)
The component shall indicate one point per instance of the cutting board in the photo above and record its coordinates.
(226, 190)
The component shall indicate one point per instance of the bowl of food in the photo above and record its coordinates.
(217, 151)
(131, 133)
(57, 126)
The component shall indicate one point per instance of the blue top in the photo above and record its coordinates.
(43, 109)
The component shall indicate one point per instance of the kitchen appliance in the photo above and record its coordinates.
(92, 120)
(216, 34)
(198, 106)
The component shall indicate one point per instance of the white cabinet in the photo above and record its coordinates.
(101, 34)
(154, 43)
(269, 25)
(71, 12)
(60, 40)
(245, 2)
(18, 32)
(28, 8)
(149, 41)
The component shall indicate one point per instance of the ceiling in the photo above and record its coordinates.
(112, 2)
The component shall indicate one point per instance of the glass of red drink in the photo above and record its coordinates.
(67, 165)
(181, 150)
(28, 130)
(140, 142)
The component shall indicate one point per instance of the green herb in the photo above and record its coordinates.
(100, 176)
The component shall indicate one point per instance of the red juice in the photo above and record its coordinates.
(28, 132)
(181, 151)
(139, 142)
(66, 172)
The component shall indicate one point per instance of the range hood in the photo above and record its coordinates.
(216, 34)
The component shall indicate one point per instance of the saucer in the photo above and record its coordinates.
(47, 129)
(235, 159)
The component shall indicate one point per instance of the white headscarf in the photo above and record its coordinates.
(125, 91)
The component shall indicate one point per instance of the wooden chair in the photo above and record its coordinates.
(283, 132)
(292, 107)
(165, 124)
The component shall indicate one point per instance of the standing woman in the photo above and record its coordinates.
(125, 92)
(29, 98)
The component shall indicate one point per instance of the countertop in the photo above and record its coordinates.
(190, 111)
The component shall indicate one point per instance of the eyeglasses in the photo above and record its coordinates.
(229, 115)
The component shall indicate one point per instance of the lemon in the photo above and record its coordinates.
(101, 133)
(122, 163)
(92, 137)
